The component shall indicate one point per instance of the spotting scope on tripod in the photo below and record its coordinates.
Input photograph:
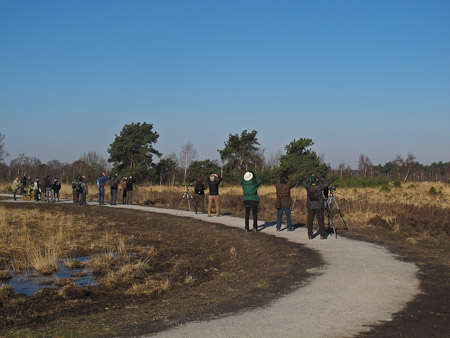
(330, 201)
(186, 196)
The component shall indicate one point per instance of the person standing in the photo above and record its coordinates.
(83, 189)
(130, 182)
(315, 203)
(48, 189)
(36, 189)
(56, 188)
(250, 184)
(102, 178)
(123, 184)
(75, 193)
(199, 195)
(16, 186)
(284, 201)
(114, 184)
(23, 184)
(213, 183)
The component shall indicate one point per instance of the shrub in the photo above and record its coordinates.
(397, 183)
(432, 191)
(411, 186)
(385, 188)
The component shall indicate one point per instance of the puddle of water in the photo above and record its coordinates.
(29, 282)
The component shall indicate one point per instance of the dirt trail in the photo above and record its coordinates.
(361, 285)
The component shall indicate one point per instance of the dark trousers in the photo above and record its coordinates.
(56, 195)
(75, 195)
(124, 196)
(83, 199)
(199, 202)
(320, 219)
(113, 196)
(15, 192)
(254, 210)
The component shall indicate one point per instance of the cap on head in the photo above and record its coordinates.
(248, 176)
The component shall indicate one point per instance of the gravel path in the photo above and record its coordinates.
(360, 285)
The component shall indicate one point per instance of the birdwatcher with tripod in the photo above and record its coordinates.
(315, 203)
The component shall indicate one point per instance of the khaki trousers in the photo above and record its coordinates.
(215, 199)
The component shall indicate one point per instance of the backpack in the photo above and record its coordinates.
(57, 186)
(199, 188)
(80, 188)
(313, 193)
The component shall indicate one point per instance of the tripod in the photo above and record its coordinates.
(330, 200)
(186, 196)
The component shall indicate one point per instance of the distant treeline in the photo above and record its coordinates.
(133, 153)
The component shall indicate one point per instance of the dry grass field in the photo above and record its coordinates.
(421, 210)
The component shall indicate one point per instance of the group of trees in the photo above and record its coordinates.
(133, 153)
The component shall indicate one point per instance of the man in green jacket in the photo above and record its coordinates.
(250, 184)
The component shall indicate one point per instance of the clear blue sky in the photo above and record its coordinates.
(357, 77)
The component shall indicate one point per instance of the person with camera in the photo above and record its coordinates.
(283, 201)
(213, 183)
(250, 184)
(315, 203)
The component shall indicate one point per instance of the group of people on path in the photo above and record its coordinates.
(47, 191)
(315, 201)
(80, 189)
(314, 185)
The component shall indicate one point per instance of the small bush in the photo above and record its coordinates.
(411, 186)
(385, 188)
(432, 191)
(397, 184)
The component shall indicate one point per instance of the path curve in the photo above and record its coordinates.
(360, 285)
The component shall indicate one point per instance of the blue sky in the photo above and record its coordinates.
(357, 77)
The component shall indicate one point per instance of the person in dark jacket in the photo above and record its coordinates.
(123, 184)
(250, 184)
(47, 187)
(284, 201)
(23, 184)
(75, 191)
(114, 185)
(84, 191)
(199, 195)
(213, 183)
(56, 187)
(315, 203)
(130, 182)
